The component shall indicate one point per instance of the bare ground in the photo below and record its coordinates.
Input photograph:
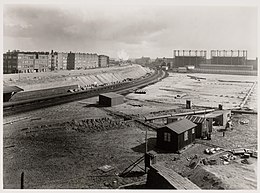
(53, 155)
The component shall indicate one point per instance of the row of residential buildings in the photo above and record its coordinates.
(26, 62)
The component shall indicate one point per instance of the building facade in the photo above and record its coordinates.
(62, 60)
(28, 62)
(103, 61)
(228, 57)
(71, 61)
(174, 136)
(77, 61)
(41, 63)
(25, 62)
(10, 62)
(183, 58)
(53, 61)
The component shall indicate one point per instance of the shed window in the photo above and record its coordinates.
(185, 135)
(193, 131)
(167, 137)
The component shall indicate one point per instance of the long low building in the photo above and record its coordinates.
(226, 67)
(9, 91)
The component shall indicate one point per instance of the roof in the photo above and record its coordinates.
(10, 89)
(175, 179)
(195, 119)
(111, 95)
(216, 113)
(180, 126)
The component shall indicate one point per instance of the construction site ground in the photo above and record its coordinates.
(209, 92)
(56, 149)
(63, 146)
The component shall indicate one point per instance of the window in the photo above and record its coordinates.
(167, 137)
(193, 131)
(185, 135)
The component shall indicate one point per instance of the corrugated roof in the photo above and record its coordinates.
(111, 95)
(195, 119)
(9, 89)
(181, 126)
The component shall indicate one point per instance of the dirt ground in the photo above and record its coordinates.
(56, 147)
(209, 92)
(65, 157)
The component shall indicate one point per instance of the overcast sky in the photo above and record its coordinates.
(140, 30)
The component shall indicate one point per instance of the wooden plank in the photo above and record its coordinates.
(176, 180)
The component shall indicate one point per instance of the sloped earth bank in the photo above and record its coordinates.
(234, 177)
(37, 81)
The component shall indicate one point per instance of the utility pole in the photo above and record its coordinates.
(22, 180)
(145, 154)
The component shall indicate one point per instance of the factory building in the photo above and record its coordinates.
(110, 99)
(228, 57)
(174, 136)
(183, 58)
(226, 67)
(103, 61)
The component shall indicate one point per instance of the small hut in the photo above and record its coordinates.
(174, 136)
(110, 99)
(204, 126)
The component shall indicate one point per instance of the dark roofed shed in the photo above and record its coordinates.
(176, 135)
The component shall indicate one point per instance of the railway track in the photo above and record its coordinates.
(11, 108)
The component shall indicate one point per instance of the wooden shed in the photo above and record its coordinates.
(220, 117)
(176, 135)
(110, 99)
(204, 126)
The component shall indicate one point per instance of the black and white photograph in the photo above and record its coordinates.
(130, 95)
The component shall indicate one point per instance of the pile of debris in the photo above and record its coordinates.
(95, 125)
(212, 150)
(244, 153)
(230, 156)
(86, 125)
(226, 158)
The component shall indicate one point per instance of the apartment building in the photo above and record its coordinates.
(25, 62)
(77, 61)
(62, 60)
(103, 61)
